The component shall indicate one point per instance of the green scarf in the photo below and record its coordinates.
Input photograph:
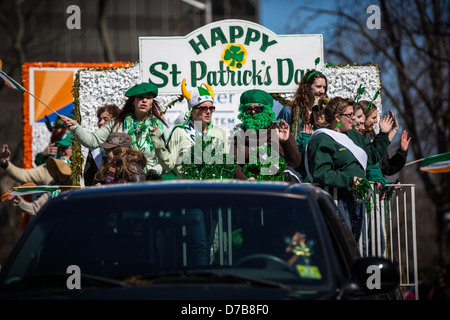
(136, 129)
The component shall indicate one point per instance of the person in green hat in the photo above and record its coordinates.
(139, 117)
(260, 131)
(63, 150)
(198, 124)
(51, 150)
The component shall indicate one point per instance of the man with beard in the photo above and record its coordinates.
(260, 141)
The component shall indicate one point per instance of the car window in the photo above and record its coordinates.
(269, 237)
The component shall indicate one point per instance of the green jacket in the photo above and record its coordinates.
(332, 165)
(302, 141)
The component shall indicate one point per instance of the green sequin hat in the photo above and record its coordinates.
(197, 95)
(142, 89)
(256, 96)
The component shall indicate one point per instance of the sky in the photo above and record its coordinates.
(280, 15)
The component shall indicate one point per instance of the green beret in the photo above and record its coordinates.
(142, 89)
(256, 96)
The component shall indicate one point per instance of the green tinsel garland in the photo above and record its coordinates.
(201, 170)
(254, 167)
(365, 193)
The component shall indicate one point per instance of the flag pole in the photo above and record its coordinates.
(18, 87)
(415, 161)
(41, 102)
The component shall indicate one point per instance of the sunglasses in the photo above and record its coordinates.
(256, 109)
(204, 109)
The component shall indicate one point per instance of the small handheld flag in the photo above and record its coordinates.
(439, 163)
(13, 84)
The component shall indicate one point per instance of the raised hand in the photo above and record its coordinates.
(308, 128)
(283, 130)
(386, 123)
(6, 154)
(404, 141)
(395, 125)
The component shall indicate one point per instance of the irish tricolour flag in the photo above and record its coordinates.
(10, 82)
(437, 164)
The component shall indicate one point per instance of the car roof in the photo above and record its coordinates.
(194, 186)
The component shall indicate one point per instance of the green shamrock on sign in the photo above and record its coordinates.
(235, 54)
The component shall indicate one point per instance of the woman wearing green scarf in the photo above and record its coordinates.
(139, 117)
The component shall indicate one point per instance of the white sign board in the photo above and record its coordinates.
(230, 55)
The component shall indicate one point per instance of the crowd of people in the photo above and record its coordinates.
(329, 141)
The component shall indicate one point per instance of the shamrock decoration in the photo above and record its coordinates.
(316, 62)
(359, 93)
(236, 55)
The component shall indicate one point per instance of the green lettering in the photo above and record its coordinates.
(247, 75)
(202, 73)
(222, 72)
(257, 80)
(217, 35)
(211, 78)
(196, 45)
(174, 74)
(267, 79)
(290, 72)
(160, 75)
(235, 32)
(252, 36)
(266, 43)
(299, 73)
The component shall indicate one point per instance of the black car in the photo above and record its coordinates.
(193, 240)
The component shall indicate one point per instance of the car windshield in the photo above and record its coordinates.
(271, 237)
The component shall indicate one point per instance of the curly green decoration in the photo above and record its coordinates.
(255, 166)
(199, 169)
(365, 193)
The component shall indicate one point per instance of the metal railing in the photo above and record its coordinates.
(389, 230)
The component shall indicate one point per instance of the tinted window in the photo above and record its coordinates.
(266, 237)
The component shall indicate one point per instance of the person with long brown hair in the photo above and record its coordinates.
(313, 84)
(139, 117)
(123, 164)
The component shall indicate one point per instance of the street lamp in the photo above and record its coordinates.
(207, 7)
